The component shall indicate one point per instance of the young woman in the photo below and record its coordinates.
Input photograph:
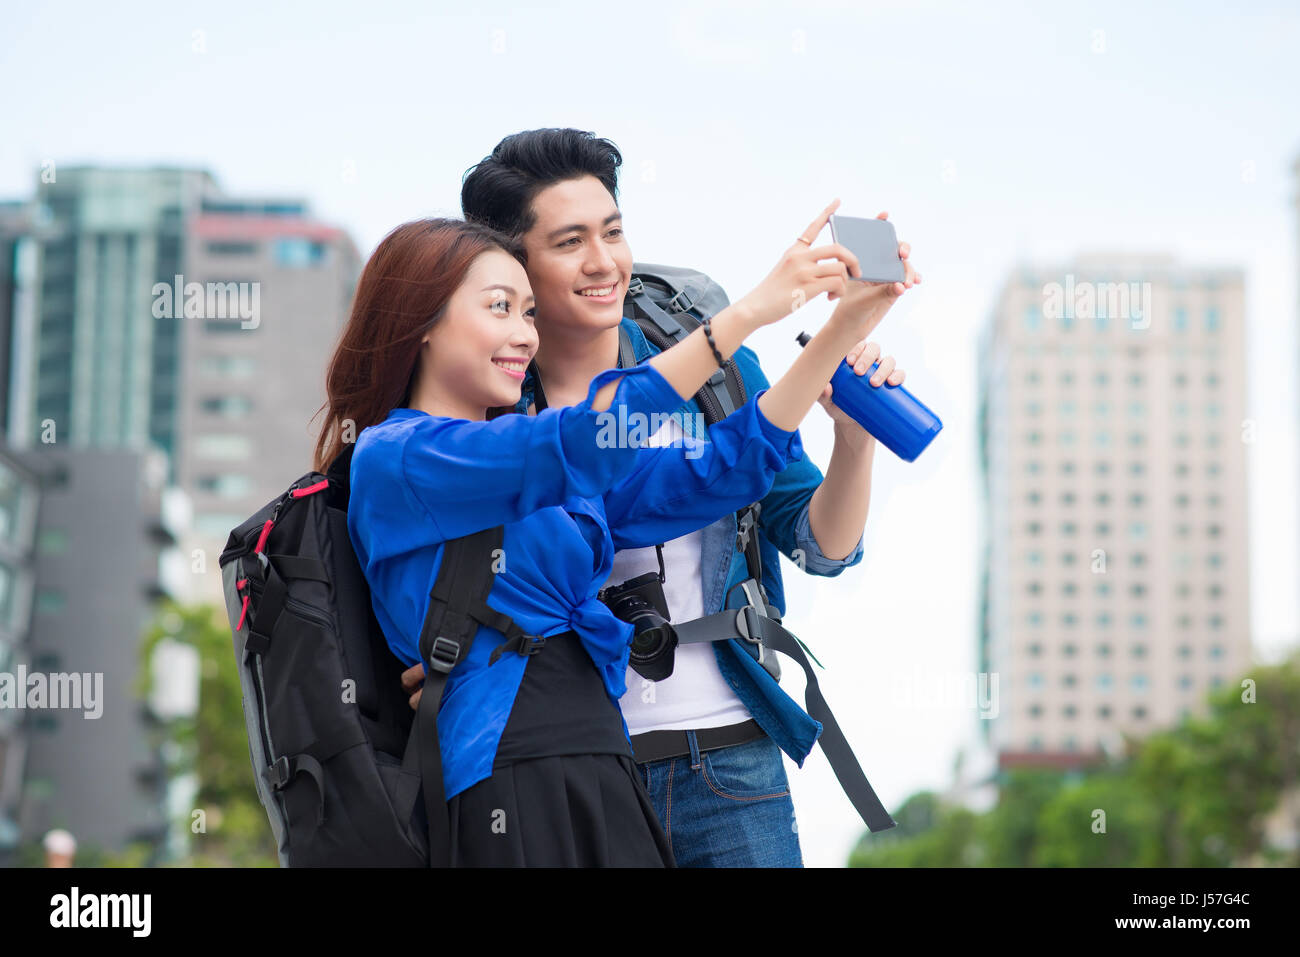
(536, 760)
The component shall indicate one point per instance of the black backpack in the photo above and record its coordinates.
(339, 758)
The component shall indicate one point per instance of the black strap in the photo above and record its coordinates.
(298, 566)
(269, 608)
(660, 745)
(759, 635)
(286, 768)
(457, 607)
(676, 331)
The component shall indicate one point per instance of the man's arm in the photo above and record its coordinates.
(787, 510)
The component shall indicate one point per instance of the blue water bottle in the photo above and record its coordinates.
(893, 415)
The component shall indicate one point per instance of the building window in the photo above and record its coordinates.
(232, 485)
(1212, 319)
(231, 406)
(1104, 682)
(50, 600)
(232, 249)
(297, 253)
(223, 446)
(228, 367)
(52, 541)
(1138, 682)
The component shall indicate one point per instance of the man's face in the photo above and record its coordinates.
(575, 249)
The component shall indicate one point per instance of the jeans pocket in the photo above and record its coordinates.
(746, 772)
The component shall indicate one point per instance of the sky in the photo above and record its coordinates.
(993, 133)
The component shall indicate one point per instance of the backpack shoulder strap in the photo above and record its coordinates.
(666, 322)
(457, 606)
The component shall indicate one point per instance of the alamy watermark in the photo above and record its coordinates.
(633, 430)
(1098, 300)
(213, 300)
(61, 689)
(958, 690)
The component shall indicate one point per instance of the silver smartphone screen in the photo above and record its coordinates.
(875, 244)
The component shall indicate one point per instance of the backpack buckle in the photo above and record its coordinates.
(444, 654)
(674, 305)
(278, 773)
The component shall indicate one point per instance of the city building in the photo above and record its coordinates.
(1112, 436)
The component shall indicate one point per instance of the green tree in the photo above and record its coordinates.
(213, 744)
(1196, 795)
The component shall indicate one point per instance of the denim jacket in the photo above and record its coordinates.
(785, 527)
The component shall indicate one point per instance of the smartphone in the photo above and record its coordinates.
(875, 244)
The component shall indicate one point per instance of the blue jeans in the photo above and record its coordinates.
(729, 807)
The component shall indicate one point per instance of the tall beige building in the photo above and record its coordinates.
(255, 376)
(1113, 432)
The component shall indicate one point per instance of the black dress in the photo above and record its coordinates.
(564, 791)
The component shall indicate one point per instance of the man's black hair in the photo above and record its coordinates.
(499, 191)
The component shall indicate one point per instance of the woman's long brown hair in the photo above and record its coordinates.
(402, 292)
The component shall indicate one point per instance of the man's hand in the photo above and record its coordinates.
(864, 304)
(413, 681)
(860, 358)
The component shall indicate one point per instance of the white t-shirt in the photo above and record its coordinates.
(695, 695)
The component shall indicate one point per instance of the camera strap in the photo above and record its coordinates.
(760, 636)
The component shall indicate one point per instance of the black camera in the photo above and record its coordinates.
(641, 603)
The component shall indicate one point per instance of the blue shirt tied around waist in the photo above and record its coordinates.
(784, 528)
(568, 498)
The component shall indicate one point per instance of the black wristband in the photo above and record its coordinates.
(708, 334)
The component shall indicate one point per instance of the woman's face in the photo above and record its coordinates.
(475, 356)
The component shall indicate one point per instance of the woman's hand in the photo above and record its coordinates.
(860, 358)
(801, 275)
(863, 305)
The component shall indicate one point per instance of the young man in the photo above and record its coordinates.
(708, 739)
